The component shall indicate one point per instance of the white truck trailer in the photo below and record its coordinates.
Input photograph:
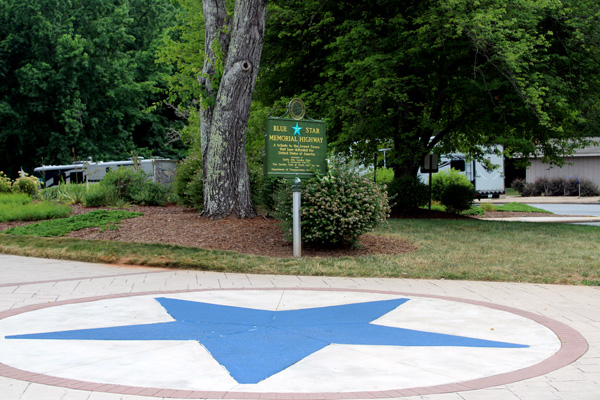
(488, 182)
(159, 170)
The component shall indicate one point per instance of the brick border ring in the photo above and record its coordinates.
(573, 346)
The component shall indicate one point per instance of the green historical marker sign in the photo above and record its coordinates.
(295, 146)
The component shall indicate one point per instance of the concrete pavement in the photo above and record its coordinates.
(531, 341)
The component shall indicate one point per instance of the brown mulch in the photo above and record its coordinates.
(183, 226)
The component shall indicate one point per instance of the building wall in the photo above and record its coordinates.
(587, 167)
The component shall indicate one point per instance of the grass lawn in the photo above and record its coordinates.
(448, 249)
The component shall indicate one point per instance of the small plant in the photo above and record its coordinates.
(473, 211)
(5, 183)
(441, 180)
(26, 184)
(127, 182)
(518, 185)
(458, 197)
(153, 194)
(488, 207)
(188, 185)
(100, 195)
(336, 208)
(407, 194)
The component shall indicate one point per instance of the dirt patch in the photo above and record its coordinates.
(183, 226)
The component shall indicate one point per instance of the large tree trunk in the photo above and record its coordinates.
(225, 119)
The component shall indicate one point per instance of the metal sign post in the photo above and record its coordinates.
(296, 232)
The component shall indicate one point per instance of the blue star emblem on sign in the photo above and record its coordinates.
(297, 129)
(254, 344)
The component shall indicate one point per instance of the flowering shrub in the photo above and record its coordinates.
(336, 208)
(26, 184)
(5, 183)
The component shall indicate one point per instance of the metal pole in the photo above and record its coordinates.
(296, 192)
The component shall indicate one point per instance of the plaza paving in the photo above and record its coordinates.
(71, 330)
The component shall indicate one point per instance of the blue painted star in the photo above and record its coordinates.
(297, 129)
(256, 344)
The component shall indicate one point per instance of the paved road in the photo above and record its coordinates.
(39, 296)
(571, 209)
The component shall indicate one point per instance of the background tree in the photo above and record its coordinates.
(77, 79)
(457, 74)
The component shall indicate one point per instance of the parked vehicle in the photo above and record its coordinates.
(160, 170)
(488, 182)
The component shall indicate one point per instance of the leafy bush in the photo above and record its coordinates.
(26, 184)
(441, 180)
(63, 226)
(128, 182)
(73, 193)
(188, 184)
(556, 187)
(407, 193)
(458, 197)
(99, 195)
(153, 194)
(5, 183)
(336, 208)
(588, 188)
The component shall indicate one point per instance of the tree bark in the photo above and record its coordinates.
(226, 113)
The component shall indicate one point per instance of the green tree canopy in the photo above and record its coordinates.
(458, 74)
(77, 79)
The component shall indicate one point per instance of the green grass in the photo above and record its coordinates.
(14, 199)
(19, 207)
(447, 249)
(520, 207)
(61, 227)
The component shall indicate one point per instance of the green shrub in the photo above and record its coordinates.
(5, 183)
(407, 194)
(153, 194)
(458, 197)
(443, 179)
(127, 182)
(99, 195)
(188, 184)
(336, 208)
(73, 193)
(26, 184)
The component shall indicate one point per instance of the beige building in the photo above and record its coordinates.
(584, 164)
